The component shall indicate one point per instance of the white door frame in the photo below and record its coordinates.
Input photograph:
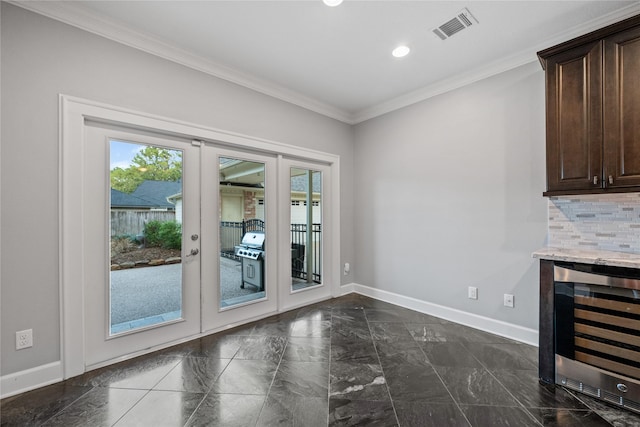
(213, 315)
(73, 113)
(290, 299)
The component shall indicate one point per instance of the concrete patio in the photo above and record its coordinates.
(146, 296)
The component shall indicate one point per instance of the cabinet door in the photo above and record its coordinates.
(622, 109)
(574, 119)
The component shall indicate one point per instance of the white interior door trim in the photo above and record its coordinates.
(73, 112)
(289, 299)
(214, 316)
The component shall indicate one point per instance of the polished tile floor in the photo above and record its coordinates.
(348, 361)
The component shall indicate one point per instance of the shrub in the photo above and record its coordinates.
(166, 234)
(121, 244)
(171, 235)
(151, 234)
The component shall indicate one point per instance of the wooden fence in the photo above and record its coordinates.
(132, 222)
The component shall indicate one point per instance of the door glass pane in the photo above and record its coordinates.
(145, 286)
(306, 228)
(242, 231)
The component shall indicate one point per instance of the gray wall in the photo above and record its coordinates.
(42, 58)
(449, 190)
(454, 197)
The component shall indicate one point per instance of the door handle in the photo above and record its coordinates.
(194, 252)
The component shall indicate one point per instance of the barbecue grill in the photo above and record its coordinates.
(251, 253)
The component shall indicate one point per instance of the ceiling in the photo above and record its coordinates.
(337, 60)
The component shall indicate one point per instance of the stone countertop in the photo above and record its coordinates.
(616, 259)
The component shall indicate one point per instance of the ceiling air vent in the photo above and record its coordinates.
(462, 20)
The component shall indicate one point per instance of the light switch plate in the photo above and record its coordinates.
(508, 300)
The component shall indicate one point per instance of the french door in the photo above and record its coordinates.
(159, 258)
(151, 212)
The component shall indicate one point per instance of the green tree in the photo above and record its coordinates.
(126, 180)
(151, 163)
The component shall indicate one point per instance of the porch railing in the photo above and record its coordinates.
(298, 256)
(231, 235)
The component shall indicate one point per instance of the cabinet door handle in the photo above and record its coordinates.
(610, 179)
(595, 179)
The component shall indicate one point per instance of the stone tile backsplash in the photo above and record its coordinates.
(608, 222)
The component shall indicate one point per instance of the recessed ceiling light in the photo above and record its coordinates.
(332, 3)
(401, 51)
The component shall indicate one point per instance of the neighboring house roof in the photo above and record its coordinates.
(156, 192)
(149, 194)
(124, 200)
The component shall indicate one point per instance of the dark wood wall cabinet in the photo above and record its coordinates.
(593, 111)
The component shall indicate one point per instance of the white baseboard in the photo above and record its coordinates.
(51, 373)
(498, 327)
(347, 289)
(30, 379)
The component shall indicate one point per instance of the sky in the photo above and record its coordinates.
(122, 153)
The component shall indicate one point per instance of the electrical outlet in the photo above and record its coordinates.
(347, 268)
(473, 292)
(508, 300)
(24, 339)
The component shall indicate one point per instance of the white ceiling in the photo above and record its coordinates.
(337, 61)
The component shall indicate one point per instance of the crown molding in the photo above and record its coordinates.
(446, 85)
(504, 64)
(73, 15)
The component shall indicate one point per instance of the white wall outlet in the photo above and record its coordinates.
(24, 339)
(347, 268)
(508, 300)
(473, 292)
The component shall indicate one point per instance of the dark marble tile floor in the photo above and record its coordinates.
(344, 362)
